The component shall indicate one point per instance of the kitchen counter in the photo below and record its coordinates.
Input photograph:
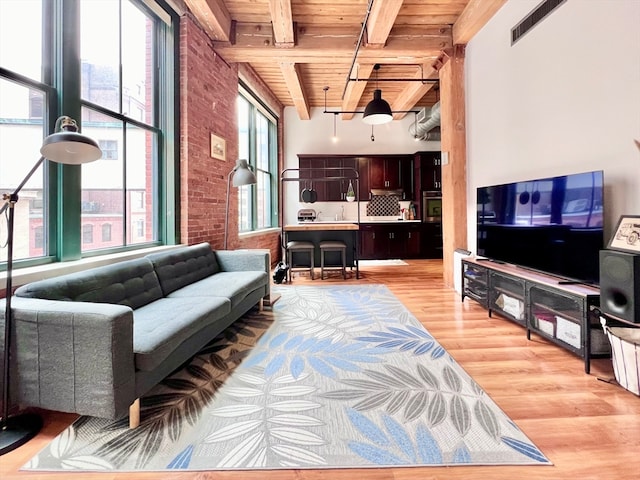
(320, 226)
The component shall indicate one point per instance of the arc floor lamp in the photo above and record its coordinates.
(242, 175)
(65, 145)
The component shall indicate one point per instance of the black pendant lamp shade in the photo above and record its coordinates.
(377, 110)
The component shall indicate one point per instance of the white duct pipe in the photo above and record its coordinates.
(423, 129)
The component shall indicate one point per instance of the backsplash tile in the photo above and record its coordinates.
(383, 206)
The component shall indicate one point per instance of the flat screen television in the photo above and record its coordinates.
(553, 225)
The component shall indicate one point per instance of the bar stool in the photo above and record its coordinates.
(333, 246)
(300, 247)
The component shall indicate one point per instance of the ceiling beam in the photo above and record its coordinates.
(354, 90)
(293, 80)
(282, 22)
(213, 16)
(254, 43)
(413, 91)
(475, 15)
(381, 19)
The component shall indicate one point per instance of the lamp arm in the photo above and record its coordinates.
(13, 197)
(10, 200)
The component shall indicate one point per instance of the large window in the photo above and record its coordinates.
(257, 136)
(108, 64)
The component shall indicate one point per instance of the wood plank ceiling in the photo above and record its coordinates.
(299, 47)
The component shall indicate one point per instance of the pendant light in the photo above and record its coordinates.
(377, 110)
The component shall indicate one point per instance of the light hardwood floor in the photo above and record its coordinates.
(588, 428)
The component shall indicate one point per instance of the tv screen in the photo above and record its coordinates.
(553, 225)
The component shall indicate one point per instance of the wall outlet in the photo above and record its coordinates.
(444, 158)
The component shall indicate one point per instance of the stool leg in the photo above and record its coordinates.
(312, 254)
(289, 263)
(321, 264)
(344, 264)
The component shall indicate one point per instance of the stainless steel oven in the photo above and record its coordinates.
(431, 206)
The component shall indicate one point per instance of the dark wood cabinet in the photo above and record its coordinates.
(432, 240)
(322, 169)
(386, 241)
(430, 170)
(336, 190)
(386, 172)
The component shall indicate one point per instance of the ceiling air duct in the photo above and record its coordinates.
(427, 126)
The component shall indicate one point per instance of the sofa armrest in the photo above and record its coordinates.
(245, 260)
(72, 356)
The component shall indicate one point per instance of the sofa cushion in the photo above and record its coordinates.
(232, 285)
(180, 267)
(132, 283)
(160, 327)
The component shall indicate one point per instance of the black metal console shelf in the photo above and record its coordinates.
(562, 312)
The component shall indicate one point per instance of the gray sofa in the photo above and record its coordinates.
(95, 341)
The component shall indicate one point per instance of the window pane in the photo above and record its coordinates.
(19, 151)
(137, 59)
(140, 185)
(262, 139)
(264, 200)
(102, 181)
(244, 208)
(21, 37)
(243, 128)
(99, 52)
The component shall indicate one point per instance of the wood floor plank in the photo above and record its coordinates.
(590, 429)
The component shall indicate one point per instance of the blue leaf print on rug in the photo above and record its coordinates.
(393, 444)
(405, 339)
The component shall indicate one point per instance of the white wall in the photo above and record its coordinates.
(564, 99)
(314, 136)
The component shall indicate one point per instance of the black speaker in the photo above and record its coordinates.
(620, 285)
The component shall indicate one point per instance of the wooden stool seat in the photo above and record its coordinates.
(333, 246)
(303, 248)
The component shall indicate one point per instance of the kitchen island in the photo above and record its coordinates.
(316, 232)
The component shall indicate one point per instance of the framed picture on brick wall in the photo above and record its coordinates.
(218, 147)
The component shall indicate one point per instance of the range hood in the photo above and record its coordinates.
(387, 191)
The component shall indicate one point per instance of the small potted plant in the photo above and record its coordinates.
(351, 194)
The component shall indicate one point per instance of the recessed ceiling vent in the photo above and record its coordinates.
(536, 16)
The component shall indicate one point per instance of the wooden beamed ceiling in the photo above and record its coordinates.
(298, 47)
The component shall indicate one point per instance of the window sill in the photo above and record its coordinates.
(258, 232)
(23, 276)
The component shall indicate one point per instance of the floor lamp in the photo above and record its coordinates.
(68, 146)
(242, 175)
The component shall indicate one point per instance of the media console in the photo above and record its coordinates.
(556, 309)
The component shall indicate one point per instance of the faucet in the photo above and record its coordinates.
(318, 215)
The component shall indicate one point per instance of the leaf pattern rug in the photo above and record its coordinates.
(331, 377)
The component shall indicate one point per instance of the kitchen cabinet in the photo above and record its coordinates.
(386, 172)
(385, 241)
(430, 170)
(312, 168)
(321, 168)
(431, 240)
(336, 190)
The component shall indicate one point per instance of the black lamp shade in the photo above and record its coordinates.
(377, 110)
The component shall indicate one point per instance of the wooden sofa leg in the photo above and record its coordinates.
(261, 305)
(134, 414)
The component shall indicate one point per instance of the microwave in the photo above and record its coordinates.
(431, 206)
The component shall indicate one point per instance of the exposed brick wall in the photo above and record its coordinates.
(208, 92)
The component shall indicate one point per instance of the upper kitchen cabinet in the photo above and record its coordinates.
(430, 170)
(343, 169)
(329, 176)
(388, 172)
(311, 171)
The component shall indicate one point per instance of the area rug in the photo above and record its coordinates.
(381, 263)
(331, 377)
